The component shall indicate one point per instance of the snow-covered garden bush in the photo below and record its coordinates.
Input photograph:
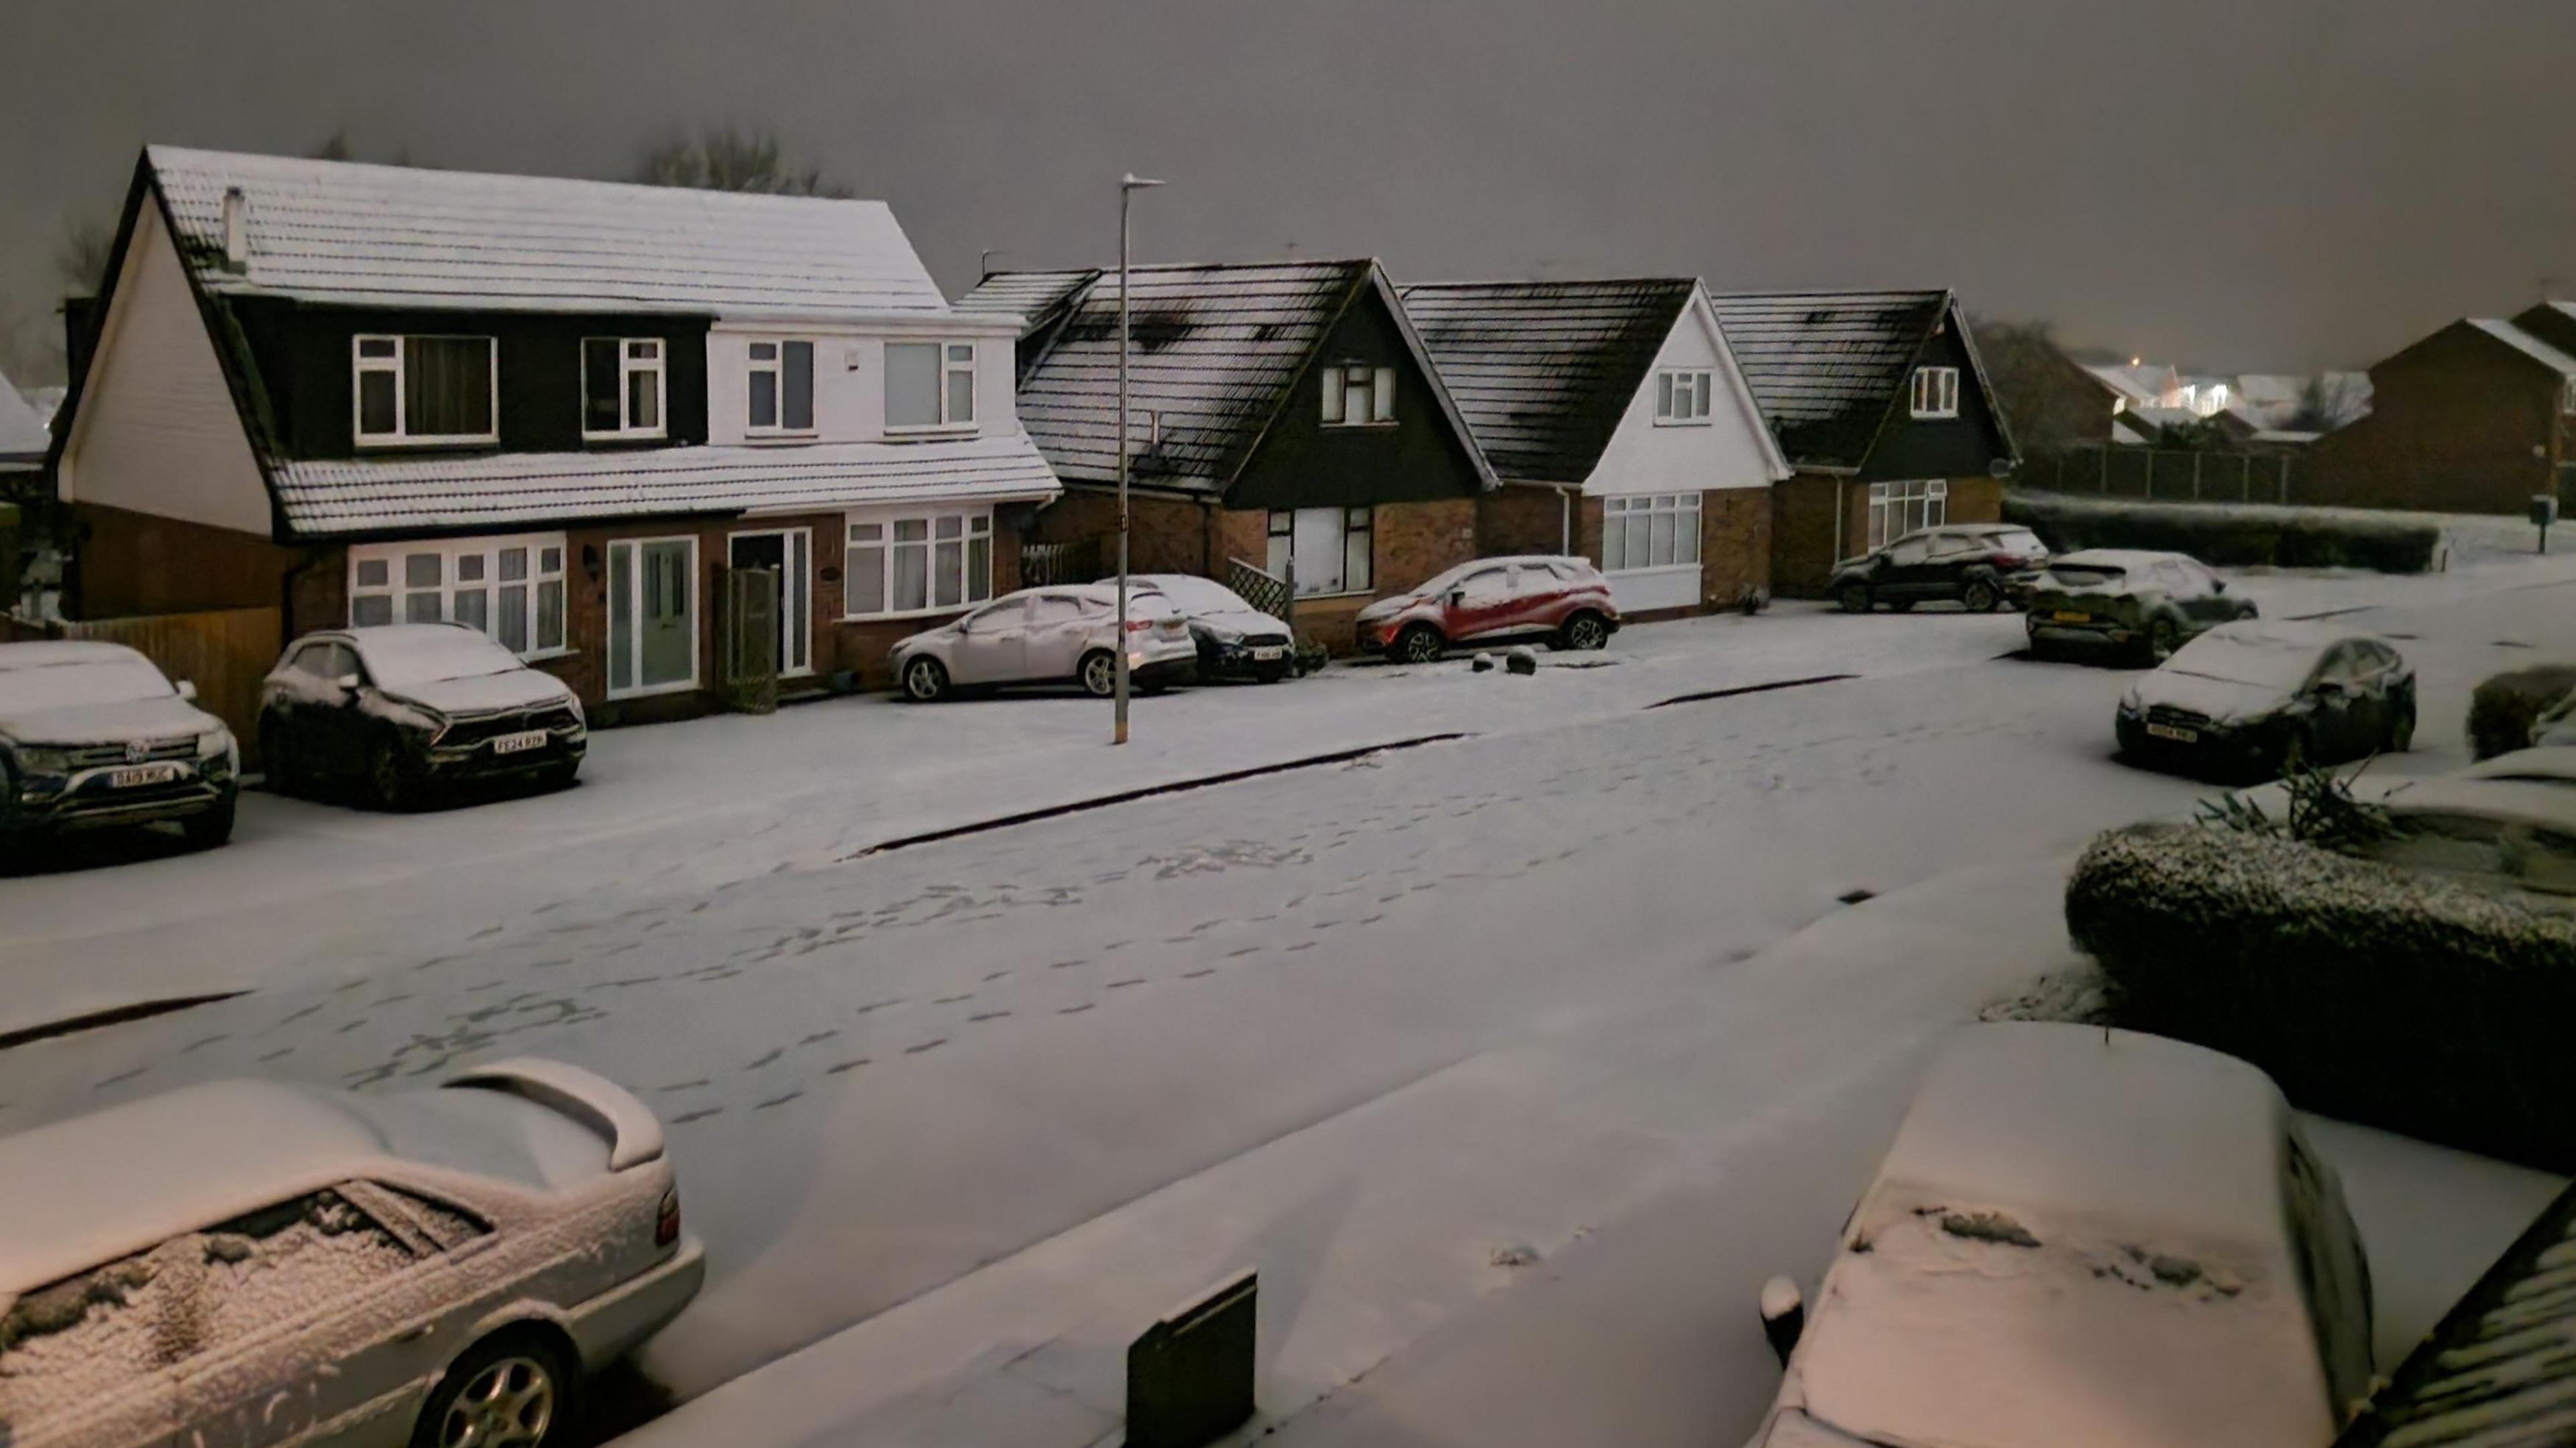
(2231, 534)
(2424, 1005)
(2503, 709)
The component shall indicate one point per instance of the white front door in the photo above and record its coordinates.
(652, 615)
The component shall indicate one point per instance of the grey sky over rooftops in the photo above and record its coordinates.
(2275, 186)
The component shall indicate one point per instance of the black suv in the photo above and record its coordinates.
(91, 734)
(1977, 565)
(398, 709)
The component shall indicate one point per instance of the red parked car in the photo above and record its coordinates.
(1565, 601)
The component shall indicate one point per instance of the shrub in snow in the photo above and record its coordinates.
(2239, 535)
(2417, 1003)
(2322, 812)
(2503, 709)
(1521, 660)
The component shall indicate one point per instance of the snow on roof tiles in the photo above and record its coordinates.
(23, 438)
(1214, 349)
(337, 497)
(1544, 371)
(341, 232)
(2527, 344)
(1027, 295)
(1827, 366)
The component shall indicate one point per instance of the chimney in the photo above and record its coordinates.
(236, 230)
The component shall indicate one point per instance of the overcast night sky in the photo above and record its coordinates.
(2272, 185)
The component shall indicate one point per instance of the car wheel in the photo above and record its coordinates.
(511, 1390)
(1099, 673)
(2162, 639)
(2401, 728)
(212, 828)
(1584, 631)
(1979, 596)
(925, 679)
(1854, 597)
(390, 777)
(1420, 643)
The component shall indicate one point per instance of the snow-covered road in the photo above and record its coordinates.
(885, 1073)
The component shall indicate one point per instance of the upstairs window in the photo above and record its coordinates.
(929, 385)
(1936, 392)
(1358, 395)
(425, 390)
(1682, 395)
(621, 387)
(782, 387)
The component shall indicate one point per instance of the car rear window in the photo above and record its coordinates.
(2016, 540)
(2086, 575)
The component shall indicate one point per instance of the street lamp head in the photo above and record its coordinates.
(1132, 182)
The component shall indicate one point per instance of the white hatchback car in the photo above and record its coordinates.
(2088, 1237)
(243, 1263)
(1056, 635)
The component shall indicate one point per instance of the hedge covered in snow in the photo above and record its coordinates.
(2503, 709)
(2234, 535)
(2395, 999)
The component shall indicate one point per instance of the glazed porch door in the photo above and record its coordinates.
(652, 615)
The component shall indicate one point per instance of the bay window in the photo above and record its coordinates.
(1327, 547)
(621, 387)
(929, 385)
(904, 563)
(510, 588)
(781, 398)
(1658, 530)
(1896, 509)
(424, 390)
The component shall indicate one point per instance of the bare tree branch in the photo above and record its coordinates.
(723, 158)
(80, 254)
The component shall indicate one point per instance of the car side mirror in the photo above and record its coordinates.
(1784, 1316)
(188, 690)
(1457, 596)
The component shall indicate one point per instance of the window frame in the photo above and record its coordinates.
(775, 365)
(1668, 389)
(949, 366)
(361, 365)
(1358, 522)
(1628, 510)
(975, 525)
(1933, 494)
(659, 366)
(1942, 385)
(1337, 378)
(534, 580)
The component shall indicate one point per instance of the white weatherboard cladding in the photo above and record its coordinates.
(1729, 451)
(157, 431)
(1639, 592)
(849, 379)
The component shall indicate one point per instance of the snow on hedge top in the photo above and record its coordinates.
(341, 232)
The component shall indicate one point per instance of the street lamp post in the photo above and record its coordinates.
(1128, 186)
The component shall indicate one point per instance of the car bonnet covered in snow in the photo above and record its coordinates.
(453, 669)
(2238, 669)
(2079, 1237)
(65, 692)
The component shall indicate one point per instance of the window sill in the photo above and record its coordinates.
(781, 438)
(613, 438)
(914, 615)
(1359, 426)
(1657, 570)
(1685, 422)
(1934, 416)
(944, 430)
(416, 444)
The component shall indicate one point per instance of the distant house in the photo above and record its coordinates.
(1883, 410)
(24, 442)
(1281, 414)
(2476, 418)
(553, 410)
(2141, 385)
(1621, 429)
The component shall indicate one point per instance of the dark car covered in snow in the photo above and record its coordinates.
(2252, 697)
(398, 709)
(1234, 639)
(2126, 602)
(92, 735)
(1975, 565)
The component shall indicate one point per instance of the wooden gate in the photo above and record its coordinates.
(749, 638)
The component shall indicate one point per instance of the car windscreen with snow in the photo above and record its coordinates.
(411, 659)
(2260, 660)
(70, 686)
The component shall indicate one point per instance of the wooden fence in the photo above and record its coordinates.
(224, 653)
(1050, 565)
(2168, 475)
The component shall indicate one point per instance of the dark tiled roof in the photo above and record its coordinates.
(1543, 371)
(1032, 296)
(2499, 1370)
(1827, 366)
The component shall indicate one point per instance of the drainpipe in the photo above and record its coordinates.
(1565, 521)
(1842, 505)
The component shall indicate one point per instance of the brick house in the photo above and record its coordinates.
(1280, 414)
(1620, 428)
(1884, 411)
(2475, 418)
(555, 410)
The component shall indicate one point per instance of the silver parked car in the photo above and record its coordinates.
(1235, 640)
(1054, 635)
(243, 1263)
(2127, 601)
(92, 735)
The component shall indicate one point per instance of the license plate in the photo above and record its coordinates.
(1269, 654)
(2178, 736)
(519, 743)
(2064, 616)
(135, 776)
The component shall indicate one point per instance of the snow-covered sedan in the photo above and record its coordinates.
(1235, 640)
(1564, 601)
(397, 709)
(92, 735)
(248, 1263)
(2509, 820)
(1056, 635)
(2250, 697)
(2084, 1237)
(2126, 601)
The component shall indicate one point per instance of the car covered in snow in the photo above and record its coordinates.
(1976, 565)
(1056, 635)
(92, 735)
(1234, 639)
(2128, 602)
(2556, 724)
(2249, 697)
(2508, 820)
(1564, 601)
(399, 709)
(250, 1263)
(2088, 1237)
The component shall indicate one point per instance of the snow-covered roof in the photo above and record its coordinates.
(342, 232)
(332, 497)
(2143, 384)
(1544, 371)
(23, 438)
(2527, 344)
(1827, 366)
(1031, 296)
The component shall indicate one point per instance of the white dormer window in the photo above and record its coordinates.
(1936, 392)
(424, 391)
(781, 396)
(929, 386)
(1682, 395)
(1358, 395)
(621, 388)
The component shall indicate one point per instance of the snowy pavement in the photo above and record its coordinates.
(1366, 1023)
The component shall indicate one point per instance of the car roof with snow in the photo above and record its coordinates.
(1558, 560)
(2120, 558)
(54, 653)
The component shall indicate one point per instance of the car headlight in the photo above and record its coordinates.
(214, 742)
(44, 761)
